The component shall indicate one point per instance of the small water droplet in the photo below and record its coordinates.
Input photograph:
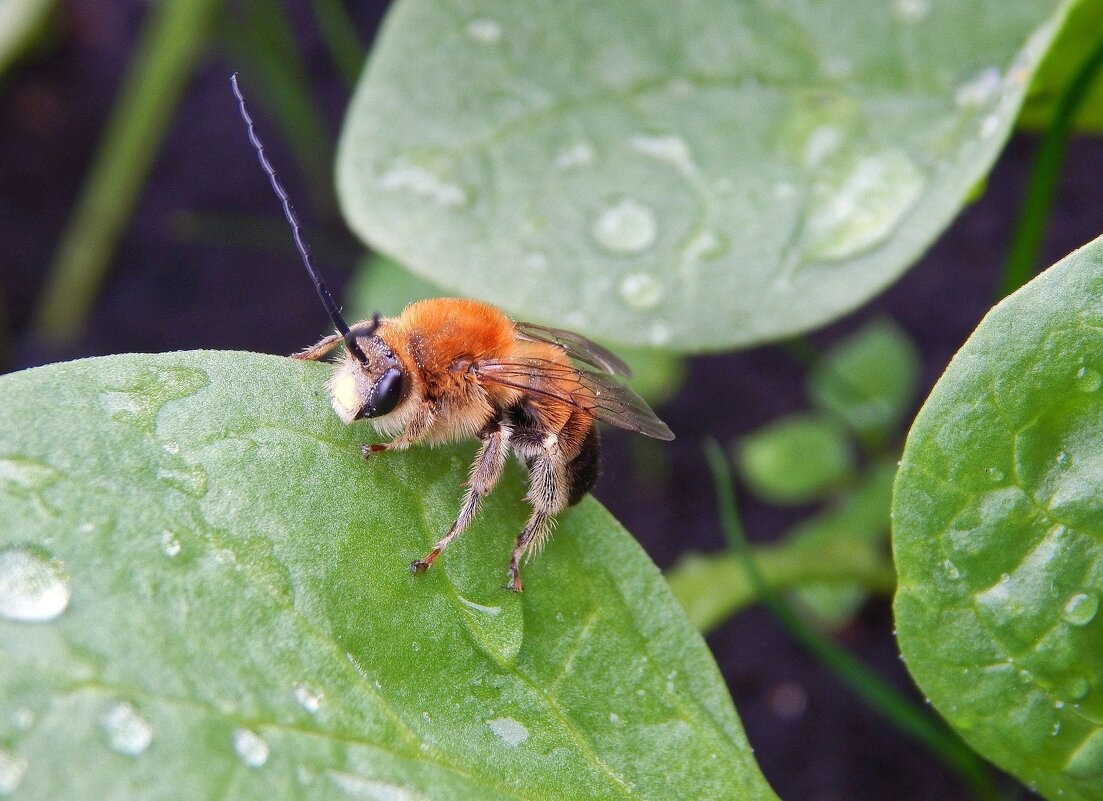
(487, 31)
(641, 291)
(13, 768)
(1077, 688)
(170, 546)
(1088, 380)
(1056, 729)
(951, 569)
(250, 748)
(858, 202)
(22, 718)
(671, 149)
(824, 140)
(579, 154)
(426, 717)
(989, 125)
(911, 10)
(419, 181)
(509, 731)
(127, 731)
(625, 227)
(535, 262)
(614, 718)
(993, 474)
(705, 245)
(1062, 459)
(309, 699)
(979, 89)
(1081, 608)
(1025, 676)
(172, 448)
(33, 588)
(660, 334)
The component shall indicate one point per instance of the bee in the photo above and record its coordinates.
(448, 369)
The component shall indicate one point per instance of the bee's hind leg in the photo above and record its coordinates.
(484, 474)
(548, 495)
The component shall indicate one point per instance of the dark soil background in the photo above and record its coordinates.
(813, 738)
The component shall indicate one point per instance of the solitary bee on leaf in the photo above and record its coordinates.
(448, 369)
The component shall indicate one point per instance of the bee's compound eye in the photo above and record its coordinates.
(385, 395)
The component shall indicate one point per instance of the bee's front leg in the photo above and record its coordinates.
(417, 428)
(484, 474)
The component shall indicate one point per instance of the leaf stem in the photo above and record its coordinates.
(338, 32)
(1041, 188)
(165, 56)
(878, 694)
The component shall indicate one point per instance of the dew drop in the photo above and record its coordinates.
(857, 205)
(1088, 380)
(535, 262)
(1080, 609)
(993, 474)
(989, 125)
(979, 90)
(172, 448)
(509, 731)
(951, 569)
(419, 181)
(170, 546)
(309, 699)
(1062, 459)
(1077, 688)
(625, 227)
(1055, 730)
(22, 718)
(614, 718)
(33, 589)
(579, 154)
(703, 246)
(12, 770)
(250, 748)
(486, 31)
(660, 334)
(911, 10)
(127, 731)
(641, 291)
(671, 149)
(490, 611)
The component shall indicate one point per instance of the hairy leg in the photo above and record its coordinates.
(548, 495)
(485, 472)
(417, 428)
(319, 350)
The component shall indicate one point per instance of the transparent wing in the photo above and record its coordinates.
(597, 393)
(577, 347)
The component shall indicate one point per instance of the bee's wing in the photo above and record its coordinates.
(577, 347)
(597, 393)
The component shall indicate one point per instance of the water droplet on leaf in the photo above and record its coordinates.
(13, 768)
(33, 588)
(641, 291)
(486, 31)
(170, 546)
(310, 700)
(1081, 608)
(419, 181)
(979, 90)
(911, 10)
(250, 748)
(509, 731)
(127, 731)
(577, 155)
(1088, 380)
(625, 227)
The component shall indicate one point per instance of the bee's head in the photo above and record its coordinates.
(371, 388)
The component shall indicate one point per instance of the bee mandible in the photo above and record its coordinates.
(449, 368)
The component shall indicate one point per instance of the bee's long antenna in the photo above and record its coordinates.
(297, 232)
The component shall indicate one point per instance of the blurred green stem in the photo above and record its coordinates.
(867, 685)
(171, 42)
(1042, 185)
(346, 51)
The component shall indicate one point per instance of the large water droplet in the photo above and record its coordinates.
(127, 731)
(250, 748)
(1080, 609)
(419, 181)
(13, 768)
(1088, 380)
(625, 227)
(33, 589)
(911, 10)
(491, 611)
(308, 698)
(641, 291)
(486, 31)
(856, 206)
(510, 731)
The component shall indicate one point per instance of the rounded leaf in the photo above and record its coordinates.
(998, 534)
(205, 593)
(700, 176)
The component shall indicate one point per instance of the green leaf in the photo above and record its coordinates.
(841, 547)
(20, 22)
(795, 459)
(382, 285)
(1078, 38)
(205, 593)
(998, 534)
(701, 177)
(868, 380)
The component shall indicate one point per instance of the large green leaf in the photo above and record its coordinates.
(998, 534)
(205, 593)
(697, 175)
(1082, 35)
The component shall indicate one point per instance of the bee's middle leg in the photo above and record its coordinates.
(485, 472)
